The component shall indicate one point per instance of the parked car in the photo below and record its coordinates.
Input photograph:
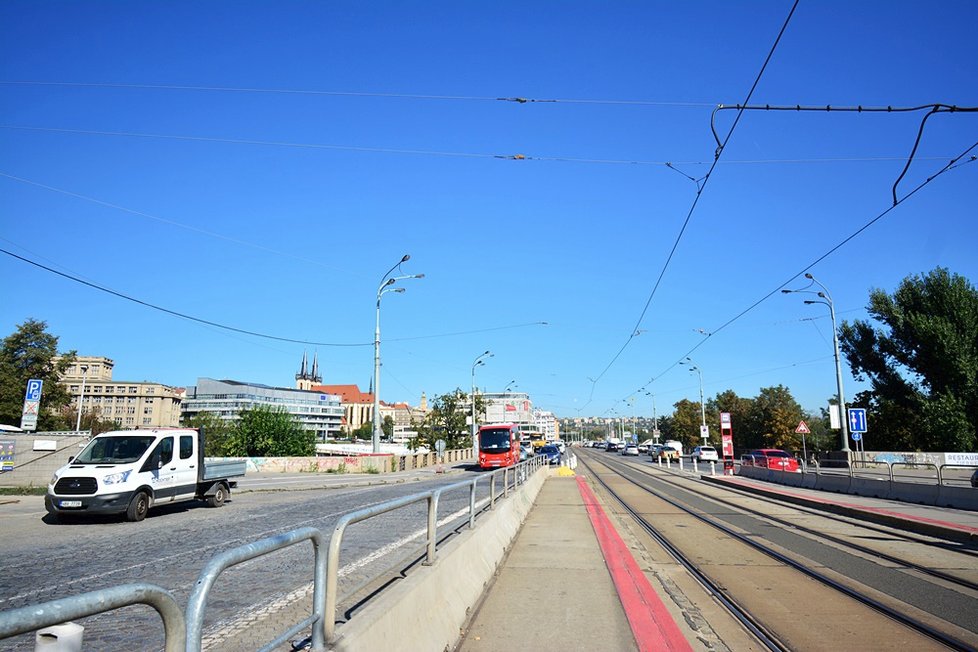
(974, 479)
(672, 449)
(629, 449)
(552, 453)
(705, 454)
(771, 458)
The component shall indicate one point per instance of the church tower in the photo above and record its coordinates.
(306, 379)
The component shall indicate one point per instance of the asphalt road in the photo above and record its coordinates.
(44, 560)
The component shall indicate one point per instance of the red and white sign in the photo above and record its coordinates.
(802, 428)
(727, 438)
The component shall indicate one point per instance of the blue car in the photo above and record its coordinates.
(552, 453)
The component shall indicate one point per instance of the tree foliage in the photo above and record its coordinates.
(217, 434)
(28, 353)
(921, 361)
(773, 418)
(265, 431)
(447, 420)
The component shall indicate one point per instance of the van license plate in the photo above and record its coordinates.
(71, 503)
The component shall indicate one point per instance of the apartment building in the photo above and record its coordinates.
(131, 404)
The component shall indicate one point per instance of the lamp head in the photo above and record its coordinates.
(418, 276)
(406, 258)
(786, 291)
(821, 294)
(809, 276)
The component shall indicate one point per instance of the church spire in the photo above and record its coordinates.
(316, 378)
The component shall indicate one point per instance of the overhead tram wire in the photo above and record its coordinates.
(699, 193)
(954, 163)
(233, 329)
(936, 107)
(478, 155)
(408, 96)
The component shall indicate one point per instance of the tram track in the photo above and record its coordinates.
(741, 605)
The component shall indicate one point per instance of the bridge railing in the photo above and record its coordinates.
(184, 629)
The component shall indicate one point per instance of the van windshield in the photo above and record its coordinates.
(115, 450)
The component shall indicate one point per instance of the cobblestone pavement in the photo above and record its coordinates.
(254, 600)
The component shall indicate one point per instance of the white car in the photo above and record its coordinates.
(629, 449)
(705, 454)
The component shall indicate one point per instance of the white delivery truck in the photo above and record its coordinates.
(130, 471)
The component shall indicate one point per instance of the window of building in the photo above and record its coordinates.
(148, 410)
(96, 389)
(133, 389)
(147, 421)
(150, 390)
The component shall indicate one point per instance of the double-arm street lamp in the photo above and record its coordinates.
(655, 418)
(692, 368)
(827, 301)
(510, 385)
(478, 361)
(385, 287)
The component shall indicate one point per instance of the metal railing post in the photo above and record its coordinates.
(505, 482)
(472, 505)
(432, 526)
(492, 491)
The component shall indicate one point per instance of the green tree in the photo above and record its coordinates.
(365, 431)
(29, 353)
(685, 424)
(739, 409)
(265, 431)
(921, 361)
(447, 420)
(217, 434)
(773, 418)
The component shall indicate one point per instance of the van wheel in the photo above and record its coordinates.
(218, 498)
(138, 507)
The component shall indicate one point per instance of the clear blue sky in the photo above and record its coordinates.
(279, 212)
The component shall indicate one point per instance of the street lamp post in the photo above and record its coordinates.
(384, 288)
(478, 361)
(693, 367)
(84, 370)
(655, 418)
(827, 300)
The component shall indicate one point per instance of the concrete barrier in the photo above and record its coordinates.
(427, 610)
(873, 487)
(914, 492)
(837, 483)
(958, 497)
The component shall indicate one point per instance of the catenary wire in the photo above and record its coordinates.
(409, 96)
(699, 193)
(937, 107)
(475, 155)
(241, 330)
(956, 162)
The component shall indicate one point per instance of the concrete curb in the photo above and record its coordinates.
(428, 610)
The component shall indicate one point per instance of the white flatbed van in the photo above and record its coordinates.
(130, 471)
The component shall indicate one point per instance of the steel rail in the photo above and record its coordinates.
(953, 579)
(764, 636)
(893, 614)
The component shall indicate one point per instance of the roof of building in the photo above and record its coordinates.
(347, 393)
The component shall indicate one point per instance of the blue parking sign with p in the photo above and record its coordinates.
(33, 389)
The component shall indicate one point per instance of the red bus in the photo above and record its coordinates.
(499, 445)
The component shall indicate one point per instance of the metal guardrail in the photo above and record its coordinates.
(197, 603)
(184, 630)
(55, 612)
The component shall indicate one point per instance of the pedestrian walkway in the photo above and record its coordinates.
(569, 582)
(942, 522)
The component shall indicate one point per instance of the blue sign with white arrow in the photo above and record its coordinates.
(857, 420)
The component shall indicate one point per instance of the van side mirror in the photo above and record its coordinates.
(71, 458)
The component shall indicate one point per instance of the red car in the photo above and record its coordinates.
(771, 458)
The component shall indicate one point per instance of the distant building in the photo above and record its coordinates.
(131, 404)
(317, 411)
(306, 379)
(358, 407)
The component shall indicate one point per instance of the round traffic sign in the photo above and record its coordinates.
(856, 436)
